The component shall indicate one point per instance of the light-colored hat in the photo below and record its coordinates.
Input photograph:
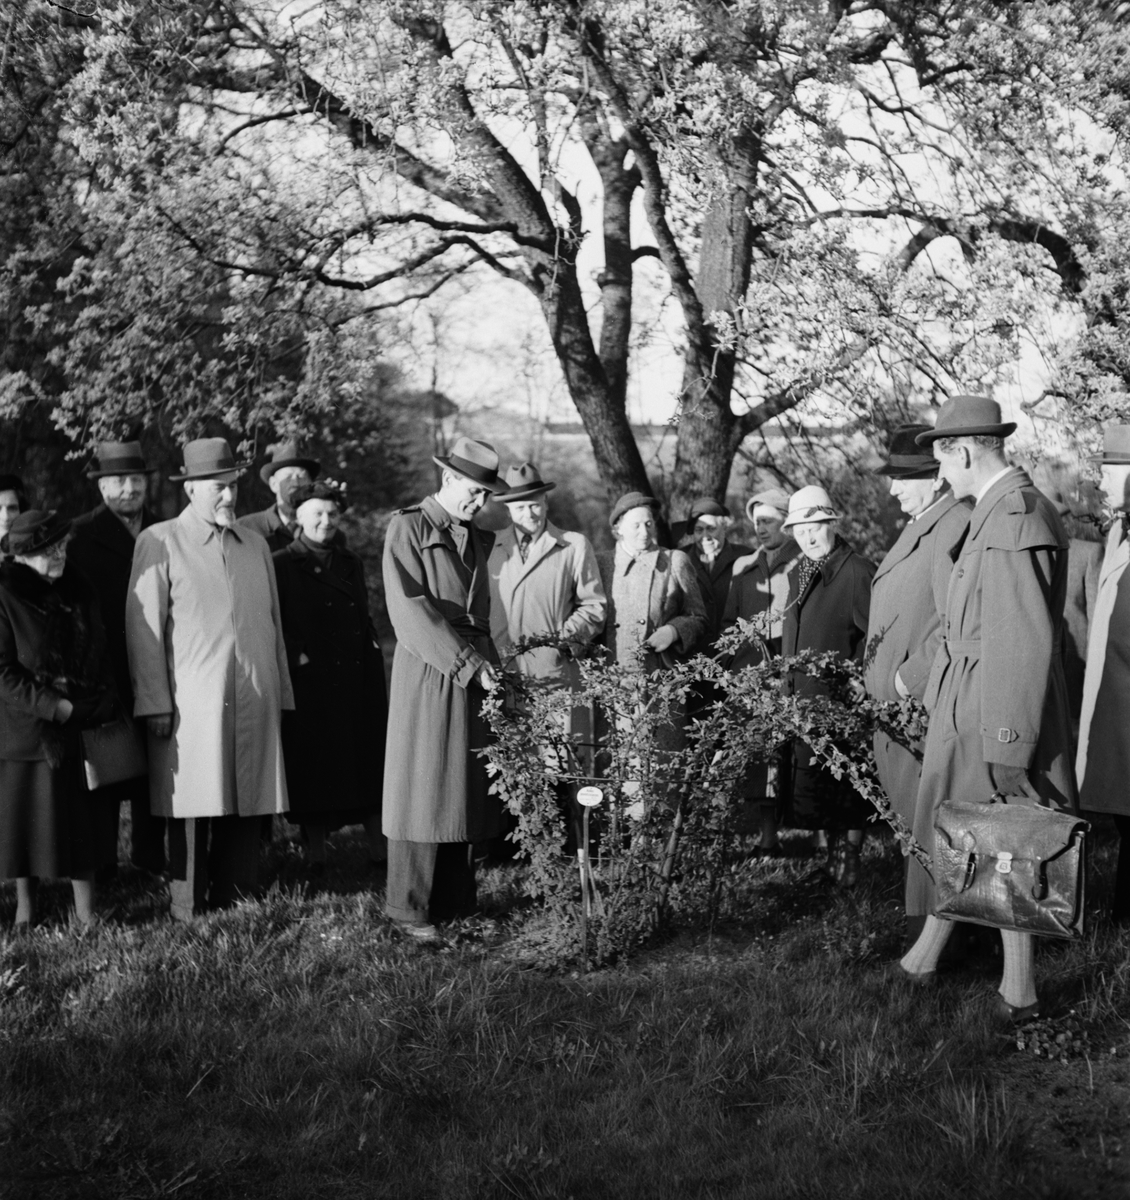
(208, 458)
(967, 416)
(811, 503)
(776, 498)
(525, 482)
(476, 461)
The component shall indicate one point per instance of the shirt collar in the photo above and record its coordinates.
(206, 529)
(989, 483)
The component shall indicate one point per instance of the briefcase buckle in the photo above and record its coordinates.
(1004, 863)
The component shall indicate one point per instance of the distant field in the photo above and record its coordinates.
(297, 1048)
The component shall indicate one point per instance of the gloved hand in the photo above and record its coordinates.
(1012, 781)
(84, 711)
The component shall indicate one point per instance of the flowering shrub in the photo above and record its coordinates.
(660, 839)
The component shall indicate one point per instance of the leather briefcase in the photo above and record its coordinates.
(1012, 866)
(113, 753)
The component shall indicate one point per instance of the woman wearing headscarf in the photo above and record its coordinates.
(333, 741)
(54, 681)
(827, 610)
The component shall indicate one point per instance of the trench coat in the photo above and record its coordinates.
(764, 586)
(714, 582)
(334, 741)
(556, 590)
(205, 643)
(1102, 765)
(996, 692)
(435, 784)
(831, 614)
(908, 595)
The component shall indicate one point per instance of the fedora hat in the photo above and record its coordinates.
(967, 416)
(476, 461)
(525, 482)
(627, 502)
(208, 458)
(906, 459)
(34, 531)
(118, 458)
(1116, 446)
(776, 498)
(286, 454)
(811, 503)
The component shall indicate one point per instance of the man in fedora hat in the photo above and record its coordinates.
(286, 469)
(210, 678)
(436, 792)
(1103, 762)
(996, 695)
(908, 595)
(101, 546)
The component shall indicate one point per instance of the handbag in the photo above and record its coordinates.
(1011, 866)
(113, 753)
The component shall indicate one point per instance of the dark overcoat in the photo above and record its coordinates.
(102, 548)
(908, 595)
(996, 692)
(333, 741)
(1084, 567)
(270, 525)
(438, 594)
(714, 580)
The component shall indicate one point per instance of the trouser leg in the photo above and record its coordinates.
(430, 881)
(188, 865)
(233, 859)
(1018, 984)
(147, 835)
(453, 888)
(1120, 902)
(105, 805)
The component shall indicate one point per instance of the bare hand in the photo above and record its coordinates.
(63, 711)
(1012, 781)
(488, 677)
(160, 726)
(663, 638)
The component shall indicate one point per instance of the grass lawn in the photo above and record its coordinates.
(297, 1047)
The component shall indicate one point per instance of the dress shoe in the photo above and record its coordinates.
(1011, 1014)
(417, 932)
(897, 973)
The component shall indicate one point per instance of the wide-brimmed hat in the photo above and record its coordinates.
(776, 498)
(118, 458)
(811, 503)
(321, 489)
(906, 459)
(704, 506)
(34, 531)
(524, 483)
(1116, 446)
(627, 502)
(476, 461)
(208, 458)
(967, 416)
(286, 454)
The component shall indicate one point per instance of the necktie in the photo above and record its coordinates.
(524, 545)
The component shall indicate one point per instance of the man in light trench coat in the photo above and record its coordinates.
(436, 798)
(544, 581)
(908, 595)
(210, 678)
(1103, 763)
(997, 698)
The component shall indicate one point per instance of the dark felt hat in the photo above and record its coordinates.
(906, 459)
(525, 482)
(13, 483)
(118, 458)
(627, 502)
(705, 507)
(321, 489)
(34, 531)
(476, 461)
(1116, 446)
(967, 416)
(286, 454)
(208, 458)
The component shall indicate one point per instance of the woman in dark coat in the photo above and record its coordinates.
(13, 501)
(828, 607)
(54, 681)
(334, 740)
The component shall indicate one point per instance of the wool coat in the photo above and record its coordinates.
(996, 692)
(664, 584)
(714, 581)
(556, 590)
(334, 740)
(102, 548)
(908, 595)
(205, 643)
(437, 588)
(269, 524)
(1103, 762)
(763, 587)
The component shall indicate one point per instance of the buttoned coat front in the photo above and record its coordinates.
(206, 644)
(557, 590)
(435, 784)
(908, 595)
(996, 692)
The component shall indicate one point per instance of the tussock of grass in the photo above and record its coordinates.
(297, 1047)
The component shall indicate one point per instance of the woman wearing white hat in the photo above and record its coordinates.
(828, 608)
